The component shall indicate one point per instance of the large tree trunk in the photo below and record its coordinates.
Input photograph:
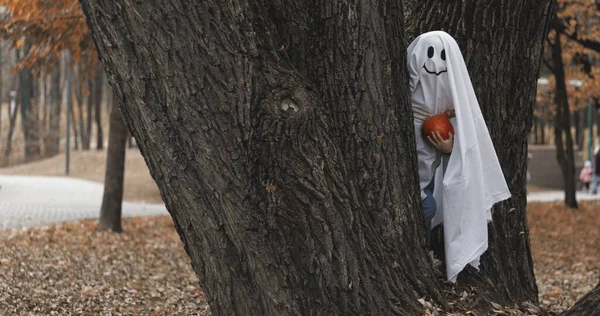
(98, 80)
(283, 145)
(283, 209)
(562, 125)
(110, 212)
(503, 64)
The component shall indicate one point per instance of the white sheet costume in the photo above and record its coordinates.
(471, 181)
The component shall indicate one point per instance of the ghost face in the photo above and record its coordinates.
(430, 66)
(435, 63)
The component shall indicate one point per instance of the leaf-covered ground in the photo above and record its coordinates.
(71, 269)
(566, 250)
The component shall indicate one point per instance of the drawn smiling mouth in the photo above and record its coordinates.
(433, 72)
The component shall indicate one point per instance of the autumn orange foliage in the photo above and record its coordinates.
(580, 19)
(46, 29)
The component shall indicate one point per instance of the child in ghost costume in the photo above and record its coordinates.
(465, 184)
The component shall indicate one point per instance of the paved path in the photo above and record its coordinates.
(33, 201)
(551, 196)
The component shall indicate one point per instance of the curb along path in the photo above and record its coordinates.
(34, 201)
(27, 201)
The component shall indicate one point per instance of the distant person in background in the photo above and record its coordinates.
(585, 176)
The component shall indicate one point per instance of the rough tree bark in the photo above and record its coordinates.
(293, 190)
(281, 138)
(110, 211)
(502, 50)
(562, 125)
(98, 81)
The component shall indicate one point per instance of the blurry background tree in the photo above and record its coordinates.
(112, 201)
(40, 32)
(567, 93)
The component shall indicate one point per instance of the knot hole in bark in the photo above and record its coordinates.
(288, 101)
(287, 104)
(287, 94)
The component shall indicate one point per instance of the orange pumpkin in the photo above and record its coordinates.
(440, 123)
